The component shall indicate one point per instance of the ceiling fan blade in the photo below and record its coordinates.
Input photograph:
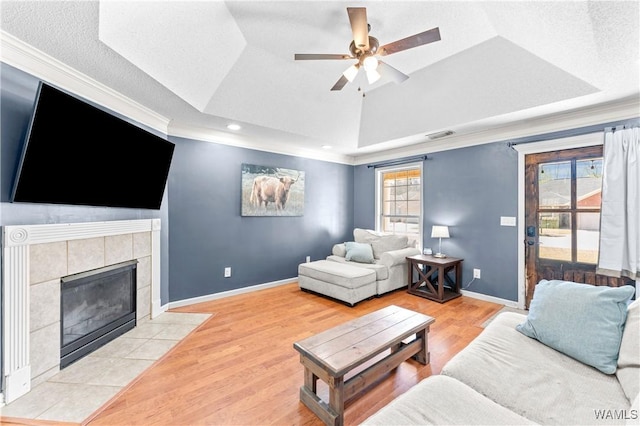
(359, 27)
(387, 70)
(425, 37)
(340, 83)
(313, 56)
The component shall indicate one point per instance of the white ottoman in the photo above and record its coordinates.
(347, 283)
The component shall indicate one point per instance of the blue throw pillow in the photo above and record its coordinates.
(582, 321)
(359, 252)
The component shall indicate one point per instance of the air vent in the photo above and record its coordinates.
(439, 135)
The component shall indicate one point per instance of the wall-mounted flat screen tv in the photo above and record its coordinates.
(75, 153)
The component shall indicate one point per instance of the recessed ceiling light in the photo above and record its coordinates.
(234, 126)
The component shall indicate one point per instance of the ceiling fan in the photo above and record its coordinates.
(366, 50)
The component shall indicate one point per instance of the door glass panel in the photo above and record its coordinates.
(554, 185)
(555, 236)
(589, 183)
(588, 229)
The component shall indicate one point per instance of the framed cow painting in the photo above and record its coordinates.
(272, 191)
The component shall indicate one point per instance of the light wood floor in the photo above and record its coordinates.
(240, 368)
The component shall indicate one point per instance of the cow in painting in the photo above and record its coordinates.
(270, 189)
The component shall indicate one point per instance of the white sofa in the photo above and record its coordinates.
(389, 256)
(506, 377)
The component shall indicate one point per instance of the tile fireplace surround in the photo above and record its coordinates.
(35, 257)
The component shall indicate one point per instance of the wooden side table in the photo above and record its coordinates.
(434, 281)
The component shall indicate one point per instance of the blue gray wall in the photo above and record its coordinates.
(467, 189)
(208, 233)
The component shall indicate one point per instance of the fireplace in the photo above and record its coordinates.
(35, 258)
(96, 307)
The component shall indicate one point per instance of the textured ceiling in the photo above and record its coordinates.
(204, 64)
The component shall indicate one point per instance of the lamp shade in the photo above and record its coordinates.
(440, 231)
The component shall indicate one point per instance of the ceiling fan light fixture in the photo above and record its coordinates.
(370, 63)
(372, 76)
(364, 48)
(351, 72)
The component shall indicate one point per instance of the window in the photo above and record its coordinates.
(569, 209)
(399, 201)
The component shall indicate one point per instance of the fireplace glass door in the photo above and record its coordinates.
(96, 307)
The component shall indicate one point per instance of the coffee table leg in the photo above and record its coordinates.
(336, 398)
(310, 380)
(332, 413)
(423, 356)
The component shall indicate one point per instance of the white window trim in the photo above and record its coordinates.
(379, 172)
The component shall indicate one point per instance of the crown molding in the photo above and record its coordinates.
(625, 109)
(216, 136)
(26, 58)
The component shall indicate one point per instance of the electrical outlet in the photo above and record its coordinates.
(227, 272)
(308, 259)
(476, 273)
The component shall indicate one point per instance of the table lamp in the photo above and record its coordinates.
(440, 232)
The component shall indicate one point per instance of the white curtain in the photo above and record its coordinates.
(620, 216)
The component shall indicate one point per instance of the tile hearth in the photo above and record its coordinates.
(76, 392)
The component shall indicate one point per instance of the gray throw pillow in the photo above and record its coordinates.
(359, 252)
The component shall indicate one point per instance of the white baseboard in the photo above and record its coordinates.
(223, 294)
(157, 309)
(480, 296)
(214, 296)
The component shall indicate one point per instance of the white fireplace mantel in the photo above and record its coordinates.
(15, 274)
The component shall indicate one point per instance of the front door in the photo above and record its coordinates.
(562, 217)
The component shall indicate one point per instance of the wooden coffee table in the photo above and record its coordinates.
(332, 354)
